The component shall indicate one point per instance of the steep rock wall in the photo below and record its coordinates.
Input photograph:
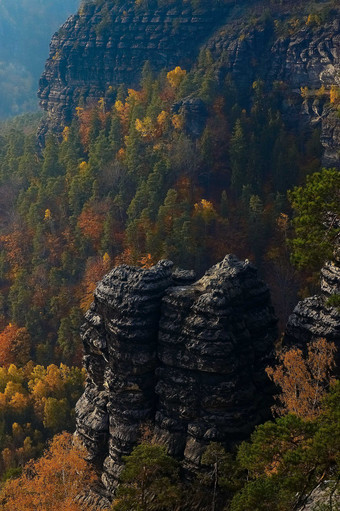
(186, 358)
(310, 57)
(105, 46)
(314, 317)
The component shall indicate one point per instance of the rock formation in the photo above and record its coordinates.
(185, 357)
(314, 317)
(308, 57)
(106, 45)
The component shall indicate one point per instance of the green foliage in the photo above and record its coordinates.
(286, 459)
(149, 481)
(334, 301)
(35, 403)
(316, 222)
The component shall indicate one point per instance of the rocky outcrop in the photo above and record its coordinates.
(308, 57)
(314, 317)
(187, 358)
(106, 45)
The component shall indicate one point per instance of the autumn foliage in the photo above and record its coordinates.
(52, 483)
(303, 380)
(15, 345)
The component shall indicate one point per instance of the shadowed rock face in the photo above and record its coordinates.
(314, 318)
(186, 357)
(107, 45)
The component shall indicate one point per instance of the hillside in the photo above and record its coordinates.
(175, 133)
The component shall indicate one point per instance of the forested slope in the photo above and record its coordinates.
(190, 163)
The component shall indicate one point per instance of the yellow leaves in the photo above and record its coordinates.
(176, 76)
(83, 168)
(48, 215)
(12, 389)
(178, 121)
(321, 92)
(204, 205)
(66, 132)
(123, 111)
(313, 19)
(57, 55)
(146, 128)
(304, 92)
(334, 95)
(19, 402)
(101, 104)
(206, 209)
(119, 106)
(106, 260)
(294, 23)
(79, 111)
(150, 130)
(162, 118)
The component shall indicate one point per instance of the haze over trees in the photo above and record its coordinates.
(26, 27)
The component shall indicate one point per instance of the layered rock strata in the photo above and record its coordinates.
(107, 44)
(187, 358)
(314, 317)
(309, 57)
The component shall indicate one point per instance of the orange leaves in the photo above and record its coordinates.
(283, 222)
(53, 482)
(95, 271)
(15, 345)
(125, 258)
(91, 223)
(146, 261)
(206, 210)
(136, 96)
(303, 380)
(15, 244)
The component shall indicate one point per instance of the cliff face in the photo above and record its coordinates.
(104, 46)
(186, 358)
(314, 318)
(310, 57)
(107, 45)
